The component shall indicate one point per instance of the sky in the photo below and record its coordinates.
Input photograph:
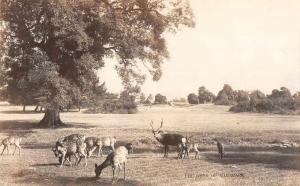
(249, 44)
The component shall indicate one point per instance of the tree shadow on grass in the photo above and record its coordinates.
(35, 178)
(17, 127)
(78, 125)
(19, 112)
(21, 125)
(278, 160)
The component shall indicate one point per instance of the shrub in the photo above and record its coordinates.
(243, 106)
(205, 96)
(226, 96)
(193, 99)
(111, 103)
(160, 99)
(279, 102)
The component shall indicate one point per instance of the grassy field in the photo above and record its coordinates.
(249, 159)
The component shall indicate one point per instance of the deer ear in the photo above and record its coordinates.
(96, 165)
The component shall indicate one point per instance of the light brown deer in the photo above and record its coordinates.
(116, 160)
(12, 140)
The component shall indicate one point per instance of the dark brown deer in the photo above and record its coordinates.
(220, 148)
(168, 139)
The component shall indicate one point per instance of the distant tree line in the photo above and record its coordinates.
(279, 101)
(204, 96)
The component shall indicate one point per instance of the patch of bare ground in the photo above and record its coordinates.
(249, 158)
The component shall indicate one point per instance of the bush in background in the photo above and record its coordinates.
(279, 102)
(193, 99)
(205, 96)
(226, 96)
(160, 99)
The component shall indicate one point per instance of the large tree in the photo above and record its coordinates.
(60, 44)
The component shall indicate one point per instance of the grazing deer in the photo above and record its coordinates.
(92, 143)
(72, 145)
(116, 159)
(168, 139)
(220, 148)
(12, 140)
(69, 148)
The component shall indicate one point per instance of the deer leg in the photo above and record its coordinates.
(19, 150)
(165, 153)
(179, 151)
(69, 160)
(113, 169)
(124, 170)
(99, 151)
(85, 160)
(118, 172)
(188, 153)
(62, 160)
(4, 147)
(7, 148)
(14, 150)
(77, 159)
(91, 151)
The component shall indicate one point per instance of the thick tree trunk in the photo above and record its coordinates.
(51, 119)
(24, 108)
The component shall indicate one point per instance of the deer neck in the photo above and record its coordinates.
(158, 137)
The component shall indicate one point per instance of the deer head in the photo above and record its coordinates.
(158, 131)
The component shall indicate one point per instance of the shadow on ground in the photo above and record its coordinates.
(19, 112)
(286, 161)
(19, 125)
(34, 178)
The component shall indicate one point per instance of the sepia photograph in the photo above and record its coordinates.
(150, 92)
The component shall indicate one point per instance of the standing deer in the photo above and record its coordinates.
(168, 139)
(93, 142)
(220, 148)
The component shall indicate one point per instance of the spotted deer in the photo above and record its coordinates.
(92, 143)
(72, 145)
(116, 160)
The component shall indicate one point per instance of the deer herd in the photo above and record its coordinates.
(81, 147)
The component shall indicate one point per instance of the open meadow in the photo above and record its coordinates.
(251, 158)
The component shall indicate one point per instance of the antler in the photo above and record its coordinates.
(161, 124)
(151, 125)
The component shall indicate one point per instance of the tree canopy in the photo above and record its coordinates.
(53, 48)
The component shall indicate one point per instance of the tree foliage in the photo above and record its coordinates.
(279, 102)
(60, 44)
(193, 98)
(226, 96)
(160, 99)
(205, 96)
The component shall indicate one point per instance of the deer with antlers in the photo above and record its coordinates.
(168, 139)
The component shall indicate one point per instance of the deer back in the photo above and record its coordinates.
(172, 139)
